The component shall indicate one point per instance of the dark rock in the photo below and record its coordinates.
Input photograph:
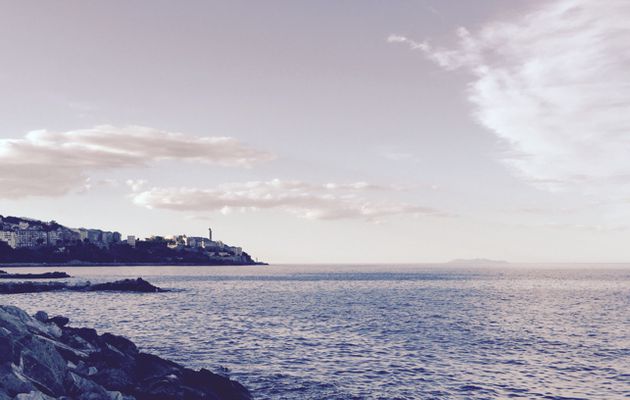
(115, 379)
(79, 337)
(43, 366)
(18, 322)
(59, 321)
(33, 395)
(41, 316)
(6, 349)
(11, 383)
(126, 285)
(125, 345)
(31, 287)
(41, 361)
(166, 388)
(81, 388)
(44, 275)
(159, 378)
(215, 384)
(151, 366)
(110, 357)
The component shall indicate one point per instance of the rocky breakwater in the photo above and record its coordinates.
(42, 358)
(44, 275)
(124, 285)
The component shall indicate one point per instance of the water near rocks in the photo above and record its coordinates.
(374, 332)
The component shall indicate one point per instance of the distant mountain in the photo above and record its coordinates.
(478, 261)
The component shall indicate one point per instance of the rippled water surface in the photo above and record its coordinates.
(375, 332)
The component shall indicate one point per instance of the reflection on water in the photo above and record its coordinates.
(377, 332)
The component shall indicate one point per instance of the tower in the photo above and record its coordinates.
(210, 234)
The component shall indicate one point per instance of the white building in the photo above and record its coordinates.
(131, 240)
(55, 237)
(95, 236)
(9, 237)
(30, 238)
(83, 233)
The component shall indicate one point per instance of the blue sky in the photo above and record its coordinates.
(359, 131)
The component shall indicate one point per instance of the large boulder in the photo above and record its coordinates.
(59, 321)
(85, 389)
(18, 322)
(126, 285)
(43, 365)
(12, 381)
(159, 378)
(33, 395)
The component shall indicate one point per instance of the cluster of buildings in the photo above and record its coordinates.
(25, 233)
(214, 248)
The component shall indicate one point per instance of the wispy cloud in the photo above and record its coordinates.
(46, 163)
(554, 85)
(313, 201)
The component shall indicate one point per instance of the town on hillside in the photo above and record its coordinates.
(24, 240)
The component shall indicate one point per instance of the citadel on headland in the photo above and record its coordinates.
(25, 241)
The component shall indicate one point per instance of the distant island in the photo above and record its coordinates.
(483, 261)
(25, 241)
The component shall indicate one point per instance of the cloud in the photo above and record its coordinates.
(136, 184)
(554, 85)
(46, 163)
(325, 202)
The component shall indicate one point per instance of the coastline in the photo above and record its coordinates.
(154, 264)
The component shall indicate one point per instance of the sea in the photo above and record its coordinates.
(374, 331)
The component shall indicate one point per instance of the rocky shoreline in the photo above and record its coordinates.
(43, 275)
(42, 358)
(127, 264)
(125, 285)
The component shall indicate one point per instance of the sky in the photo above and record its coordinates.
(325, 131)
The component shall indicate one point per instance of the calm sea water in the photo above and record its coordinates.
(375, 332)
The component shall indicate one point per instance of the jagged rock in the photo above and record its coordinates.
(121, 343)
(84, 389)
(6, 347)
(33, 395)
(114, 395)
(19, 322)
(12, 381)
(31, 287)
(164, 379)
(115, 379)
(44, 275)
(41, 316)
(43, 365)
(126, 285)
(41, 361)
(59, 321)
(220, 386)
